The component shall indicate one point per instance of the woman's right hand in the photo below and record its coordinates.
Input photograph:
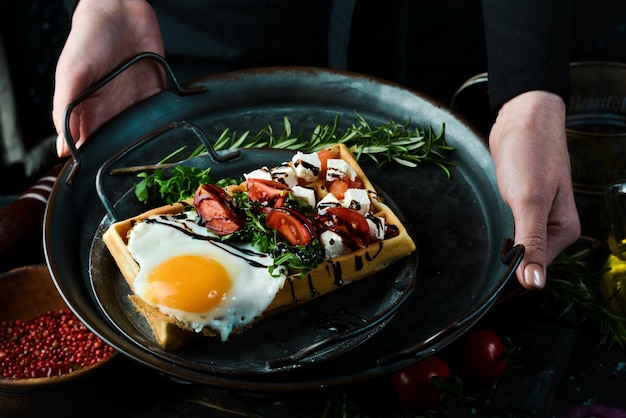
(103, 35)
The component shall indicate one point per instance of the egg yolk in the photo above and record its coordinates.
(189, 283)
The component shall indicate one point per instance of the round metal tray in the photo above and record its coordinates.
(460, 223)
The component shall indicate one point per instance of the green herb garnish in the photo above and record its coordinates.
(298, 260)
(391, 142)
(572, 286)
(179, 185)
(384, 143)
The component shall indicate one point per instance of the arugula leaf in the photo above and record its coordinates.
(179, 184)
(298, 260)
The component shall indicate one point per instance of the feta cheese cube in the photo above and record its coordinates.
(377, 226)
(305, 193)
(357, 199)
(307, 166)
(328, 201)
(338, 169)
(332, 244)
(262, 173)
(285, 174)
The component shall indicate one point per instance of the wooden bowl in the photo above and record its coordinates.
(26, 293)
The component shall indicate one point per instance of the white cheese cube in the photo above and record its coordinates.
(307, 166)
(338, 169)
(377, 226)
(332, 244)
(262, 173)
(328, 201)
(285, 174)
(304, 193)
(357, 199)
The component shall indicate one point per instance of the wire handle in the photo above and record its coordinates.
(104, 168)
(101, 83)
(510, 256)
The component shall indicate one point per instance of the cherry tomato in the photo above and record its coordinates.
(217, 210)
(267, 191)
(338, 188)
(349, 224)
(480, 355)
(291, 225)
(324, 155)
(414, 385)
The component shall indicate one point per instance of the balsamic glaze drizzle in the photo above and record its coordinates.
(369, 257)
(358, 262)
(231, 249)
(312, 288)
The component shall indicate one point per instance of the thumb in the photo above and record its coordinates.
(532, 276)
(531, 273)
(62, 147)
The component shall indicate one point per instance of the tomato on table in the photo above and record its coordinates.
(480, 355)
(414, 385)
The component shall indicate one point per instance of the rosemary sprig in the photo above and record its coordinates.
(572, 286)
(390, 142)
(385, 143)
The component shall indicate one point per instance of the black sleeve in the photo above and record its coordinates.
(70, 5)
(528, 47)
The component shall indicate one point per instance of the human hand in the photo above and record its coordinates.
(103, 35)
(529, 147)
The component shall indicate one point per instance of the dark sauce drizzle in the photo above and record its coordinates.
(358, 262)
(293, 291)
(231, 249)
(369, 257)
(312, 288)
(314, 169)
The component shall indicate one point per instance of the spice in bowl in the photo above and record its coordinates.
(51, 364)
(51, 344)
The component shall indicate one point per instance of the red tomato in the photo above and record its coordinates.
(291, 225)
(414, 386)
(260, 190)
(481, 355)
(217, 210)
(350, 224)
(324, 157)
(338, 188)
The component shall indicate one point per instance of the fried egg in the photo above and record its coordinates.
(197, 279)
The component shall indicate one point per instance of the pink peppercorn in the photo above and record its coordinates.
(51, 344)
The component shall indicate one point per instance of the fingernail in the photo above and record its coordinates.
(61, 146)
(534, 276)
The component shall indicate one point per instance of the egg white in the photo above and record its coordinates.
(252, 288)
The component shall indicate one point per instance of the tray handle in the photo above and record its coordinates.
(105, 167)
(512, 256)
(101, 83)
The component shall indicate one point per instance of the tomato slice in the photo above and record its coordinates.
(339, 187)
(266, 191)
(349, 224)
(291, 225)
(324, 156)
(217, 210)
